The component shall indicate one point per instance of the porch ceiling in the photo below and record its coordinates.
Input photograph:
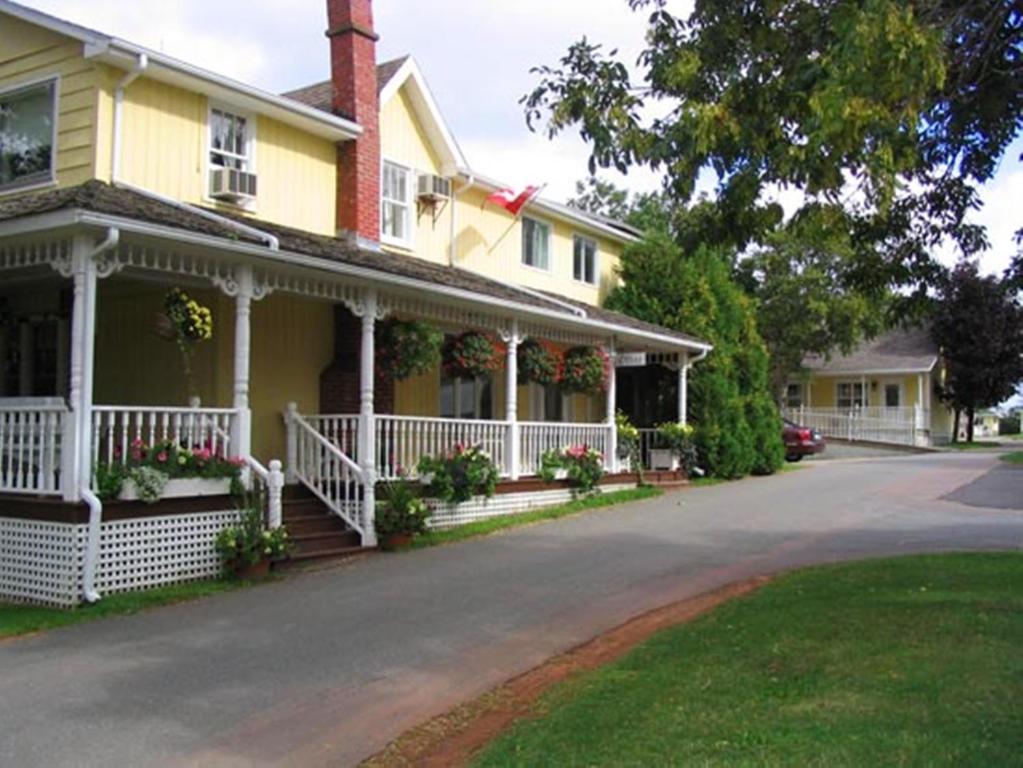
(411, 285)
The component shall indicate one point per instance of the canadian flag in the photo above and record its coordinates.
(513, 201)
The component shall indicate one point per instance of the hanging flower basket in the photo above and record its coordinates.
(186, 322)
(539, 363)
(472, 355)
(407, 348)
(586, 370)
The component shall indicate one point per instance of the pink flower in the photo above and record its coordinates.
(237, 461)
(162, 457)
(203, 454)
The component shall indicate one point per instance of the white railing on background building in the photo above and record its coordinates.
(401, 441)
(902, 425)
(31, 447)
(539, 437)
(117, 430)
(329, 473)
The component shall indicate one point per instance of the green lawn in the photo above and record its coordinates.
(484, 527)
(910, 661)
(22, 619)
(1016, 457)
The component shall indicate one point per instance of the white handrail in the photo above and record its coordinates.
(273, 479)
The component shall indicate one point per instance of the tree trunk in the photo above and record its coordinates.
(955, 425)
(969, 425)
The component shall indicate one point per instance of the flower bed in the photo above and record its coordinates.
(583, 466)
(459, 475)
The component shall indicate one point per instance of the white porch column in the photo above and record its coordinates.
(920, 401)
(611, 460)
(683, 390)
(367, 419)
(76, 456)
(25, 357)
(241, 434)
(511, 402)
(63, 353)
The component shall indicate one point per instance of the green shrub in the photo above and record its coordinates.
(463, 473)
(583, 465)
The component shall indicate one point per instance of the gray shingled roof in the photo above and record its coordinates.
(901, 349)
(321, 95)
(99, 197)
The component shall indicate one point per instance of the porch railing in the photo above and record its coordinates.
(402, 440)
(117, 430)
(329, 473)
(31, 439)
(902, 425)
(342, 431)
(539, 437)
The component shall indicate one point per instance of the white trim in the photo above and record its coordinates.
(69, 218)
(429, 114)
(25, 85)
(549, 269)
(407, 243)
(596, 261)
(825, 374)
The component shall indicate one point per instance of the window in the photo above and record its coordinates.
(230, 141)
(465, 398)
(536, 243)
(850, 395)
(546, 403)
(584, 260)
(396, 203)
(892, 395)
(794, 396)
(27, 129)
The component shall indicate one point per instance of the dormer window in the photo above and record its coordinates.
(27, 130)
(232, 161)
(396, 204)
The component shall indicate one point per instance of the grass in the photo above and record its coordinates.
(23, 619)
(493, 524)
(976, 445)
(909, 661)
(1016, 457)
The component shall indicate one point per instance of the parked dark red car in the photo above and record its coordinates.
(800, 441)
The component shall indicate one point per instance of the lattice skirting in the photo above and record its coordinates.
(450, 515)
(42, 562)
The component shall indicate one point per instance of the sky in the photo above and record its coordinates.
(476, 56)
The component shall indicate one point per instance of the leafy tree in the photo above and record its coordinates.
(887, 112)
(738, 430)
(978, 324)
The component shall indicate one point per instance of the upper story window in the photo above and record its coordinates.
(230, 140)
(536, 244)
(396, 203)
(27, 134)
(584, 260)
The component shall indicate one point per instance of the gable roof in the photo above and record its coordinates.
(125, 204)
(125, 55)
(321, 95)
(902, 350)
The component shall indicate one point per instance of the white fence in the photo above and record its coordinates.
(539, 437)
(30, 448)
(118, 430)
(902, 426)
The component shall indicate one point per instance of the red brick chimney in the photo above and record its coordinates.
(353, 68)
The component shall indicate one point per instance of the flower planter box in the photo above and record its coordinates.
(183, 487)
(662, 458)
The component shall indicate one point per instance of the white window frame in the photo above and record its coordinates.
(410, 220)
(576, 240)
(852, 394)
(18, 187)
(550, 245)
(250, 149)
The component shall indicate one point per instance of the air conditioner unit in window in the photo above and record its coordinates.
(433, 189)
(232, 184)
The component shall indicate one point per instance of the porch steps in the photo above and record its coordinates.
(316, 535)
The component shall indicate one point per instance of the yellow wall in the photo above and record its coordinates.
(824, 389)
(488, 239)
(165, 146)
(28, 53)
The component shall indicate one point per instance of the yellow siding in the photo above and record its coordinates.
(165, 145)
(29, 53)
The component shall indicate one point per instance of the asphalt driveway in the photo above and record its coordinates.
(325, 668)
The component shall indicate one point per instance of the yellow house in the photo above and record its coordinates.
(308, 223)
(884, 391)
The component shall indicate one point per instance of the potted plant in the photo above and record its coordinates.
(185, 322)
(248, 548)
(407, 348)
(472, 355)
(679, 451)
(628, 444)
(585, 370)
(538, 363)
(401, 516)
(583, 466)
(459, 475)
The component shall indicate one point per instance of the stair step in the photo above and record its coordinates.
(320, 524)
(302, 560)
(315, 543)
